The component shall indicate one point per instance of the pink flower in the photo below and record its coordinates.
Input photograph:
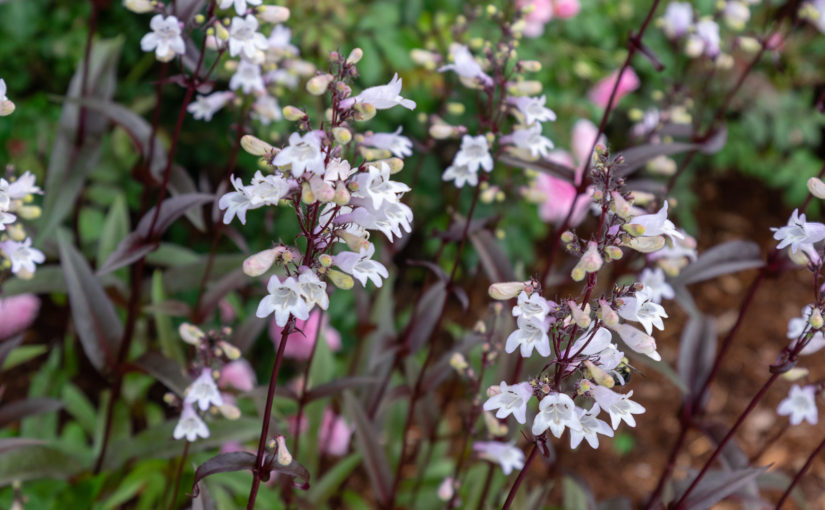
(237, 374)
(600, 93)
(17, 313)
(566, 8)
(541, 14)
(334, 434)
(299, 346)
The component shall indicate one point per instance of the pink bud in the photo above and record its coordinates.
(237, 374)
(566, 8)
(600, 93)
(17, 313)
(334, 434)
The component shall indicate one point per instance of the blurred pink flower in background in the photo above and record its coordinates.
(544, 11)
(299, 346)
(17, 313)
(600, 93)
(566, 8)
(237, 374)
(334, 434)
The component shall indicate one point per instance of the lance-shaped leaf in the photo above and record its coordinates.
(251, 328)
(636, 157)
(35, 461)
(334, 387)
(12, 443)
(543, 165)
(495, 262)
(165, 370)
(375, 459)
(725, 258)
(218, 290)
(6, 346)
(427, 313)
(240, 461)
(716, 485)
(95, 319)
(72, 157)
(696, 351)
(145, 237)
(14, 411)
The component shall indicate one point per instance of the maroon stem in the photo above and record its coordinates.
(302, 398)
(800, 474)
(270, 395)
(178, 475)
(514, 489)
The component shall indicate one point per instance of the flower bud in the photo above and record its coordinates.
(568, 237)
(342, 195)
(16, 232)
(231, 352)
(292, 113)
(599, 375)
(458, 362)
(494, 427)
(191, 334)
(526, 88)
(634, 229)
(307, 196)
(455, 108)
(221, 32)
(395, 164)
(531, 66)
(816, 187)
(29, 212)
(441, 131)
(259, 263)
(342, 135)
(584, 386)
(493, 390)
(613, 252)
(321, 189)
(139, 6)
(446, 490)
(795, 374)
(637, 340)
(646, 244)
(505, 290)
(354, 242)
(355, 56)
(815, 319)
(318, 84)
(255, 146)
(580, 317)
(325, 260)
(229, 411)
(591, 260)
(273, 14)
(341, 280)
(284, 457)
(620, 206)
(6, 107)
(607, 314)
(749, 44)
(364, 111)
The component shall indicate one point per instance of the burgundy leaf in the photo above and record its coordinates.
(334, 387)
(495, 262)
(696, 351)
(15, 411)
(165, 370)
(728, 257)
(223, 463)
(543, 165)
(427, 313)
(375, 459)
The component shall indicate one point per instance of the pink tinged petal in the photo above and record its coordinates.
(600, 93)
(237, 374)
(566, 8)
(17, 313)
(584, 135)
(334, 434)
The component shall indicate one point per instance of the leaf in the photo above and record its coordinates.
(70, 164)
(46, 280)
(251, 328)
(94, 316)
(334, 477)
(166, 370)
(12, 443)
(334, 387)
(716, 485)
(575, 496)
(659, 366)
(218, 290)
(6, 347)
(223, 463)
(696, 351)
(145, 238)
(545, 166)
(724, 258)
(375, 459)
(636, 157)
(115, 228)
(427, 315)
(432, 266)
(170, 345)
(496, 263)
(34, 461)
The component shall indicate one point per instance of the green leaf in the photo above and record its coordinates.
(115, 228)
(23, 354)
(36, 461)
(575, 497)
(333, 479)
(167, 337)
(79, 406)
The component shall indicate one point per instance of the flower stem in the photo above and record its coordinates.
(799, 474)
(178, 475)
(514, 489)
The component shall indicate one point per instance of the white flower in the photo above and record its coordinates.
(800, 404)
(248, 78)
(644, 310)
(386, 96)
(337, 170)
(279, 41)
(303, 153)
(390, 218)
(461, 174)
(657, 224)
(361, 266)
(204, 107)
(465, 65)
(3, 90)
(511, 399)
(531, 333)
(796, 327)
(531, 307)
(165, 38)
(399, 146)
(655, 284)
(266, 190)
(637, 340)
(556, 412)
(799, 233)
(704, 40)
(6, 219)
(814, 12)
(313, 289)
(505, 454)
(139, 6)
(677, 19)
(376, 185)
(531, 139)
(474, 153)
(736, 14)
(6, 106)
(592, 343)
(266, 109)
(22, 255)
(244, 38)
(18, 189)
(190, 425)
(235, 202)
(240, 5)
(204, 392)
(590, 427)
(533, 109)
(619, 406)
(284, 298)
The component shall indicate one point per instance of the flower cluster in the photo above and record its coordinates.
(216, 360)
(16, 252)
(336, 201)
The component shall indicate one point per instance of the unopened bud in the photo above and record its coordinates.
(526, 88)
(816, 187)
(292, 113)
(354, 242)
(29, 212)
(620, 206)
(425, 58)
(273, 14)
(796, 373)
(646, 244)
(259, 263)
(584, 387)
(342, 195)
(231, 352)
(447, 489)
(532, 66)
(6, 107)
(342, 135)
(229, 411)
(634, 229)
(568, 237)
(325, 260)
(816, 319)
(599, 375)
(505, 290)
(221, 32)
(442, 131)
(613, 252)
(307, 196)
(321, 189)
(364, 111)
(607, 314)
(318, 84)
(255, 146)
(355, 56)
(284, 458)
(139, 6)
(580, 317)
(191, 334)
(455, 108)
(16, 232)
(592, 260)
(395, 164)
(341, 280)
(458, 362)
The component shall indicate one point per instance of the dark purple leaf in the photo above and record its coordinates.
(716, 485)
(441, 370)
(144, 239)
(432, 266)
(218, 290)
(545, 166)
(716, 142)
(251, 328)
(696, 351)
(165, 370)
(456, 230)
(12, 443)
(637, 157)
(728, 257)
(223, 463)
(495, 262)
(334, 387)
(462, 297)
(375, 459)
(6, 346)
(94, 315)
(15, 411)
(427, 313)
(170, 307)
